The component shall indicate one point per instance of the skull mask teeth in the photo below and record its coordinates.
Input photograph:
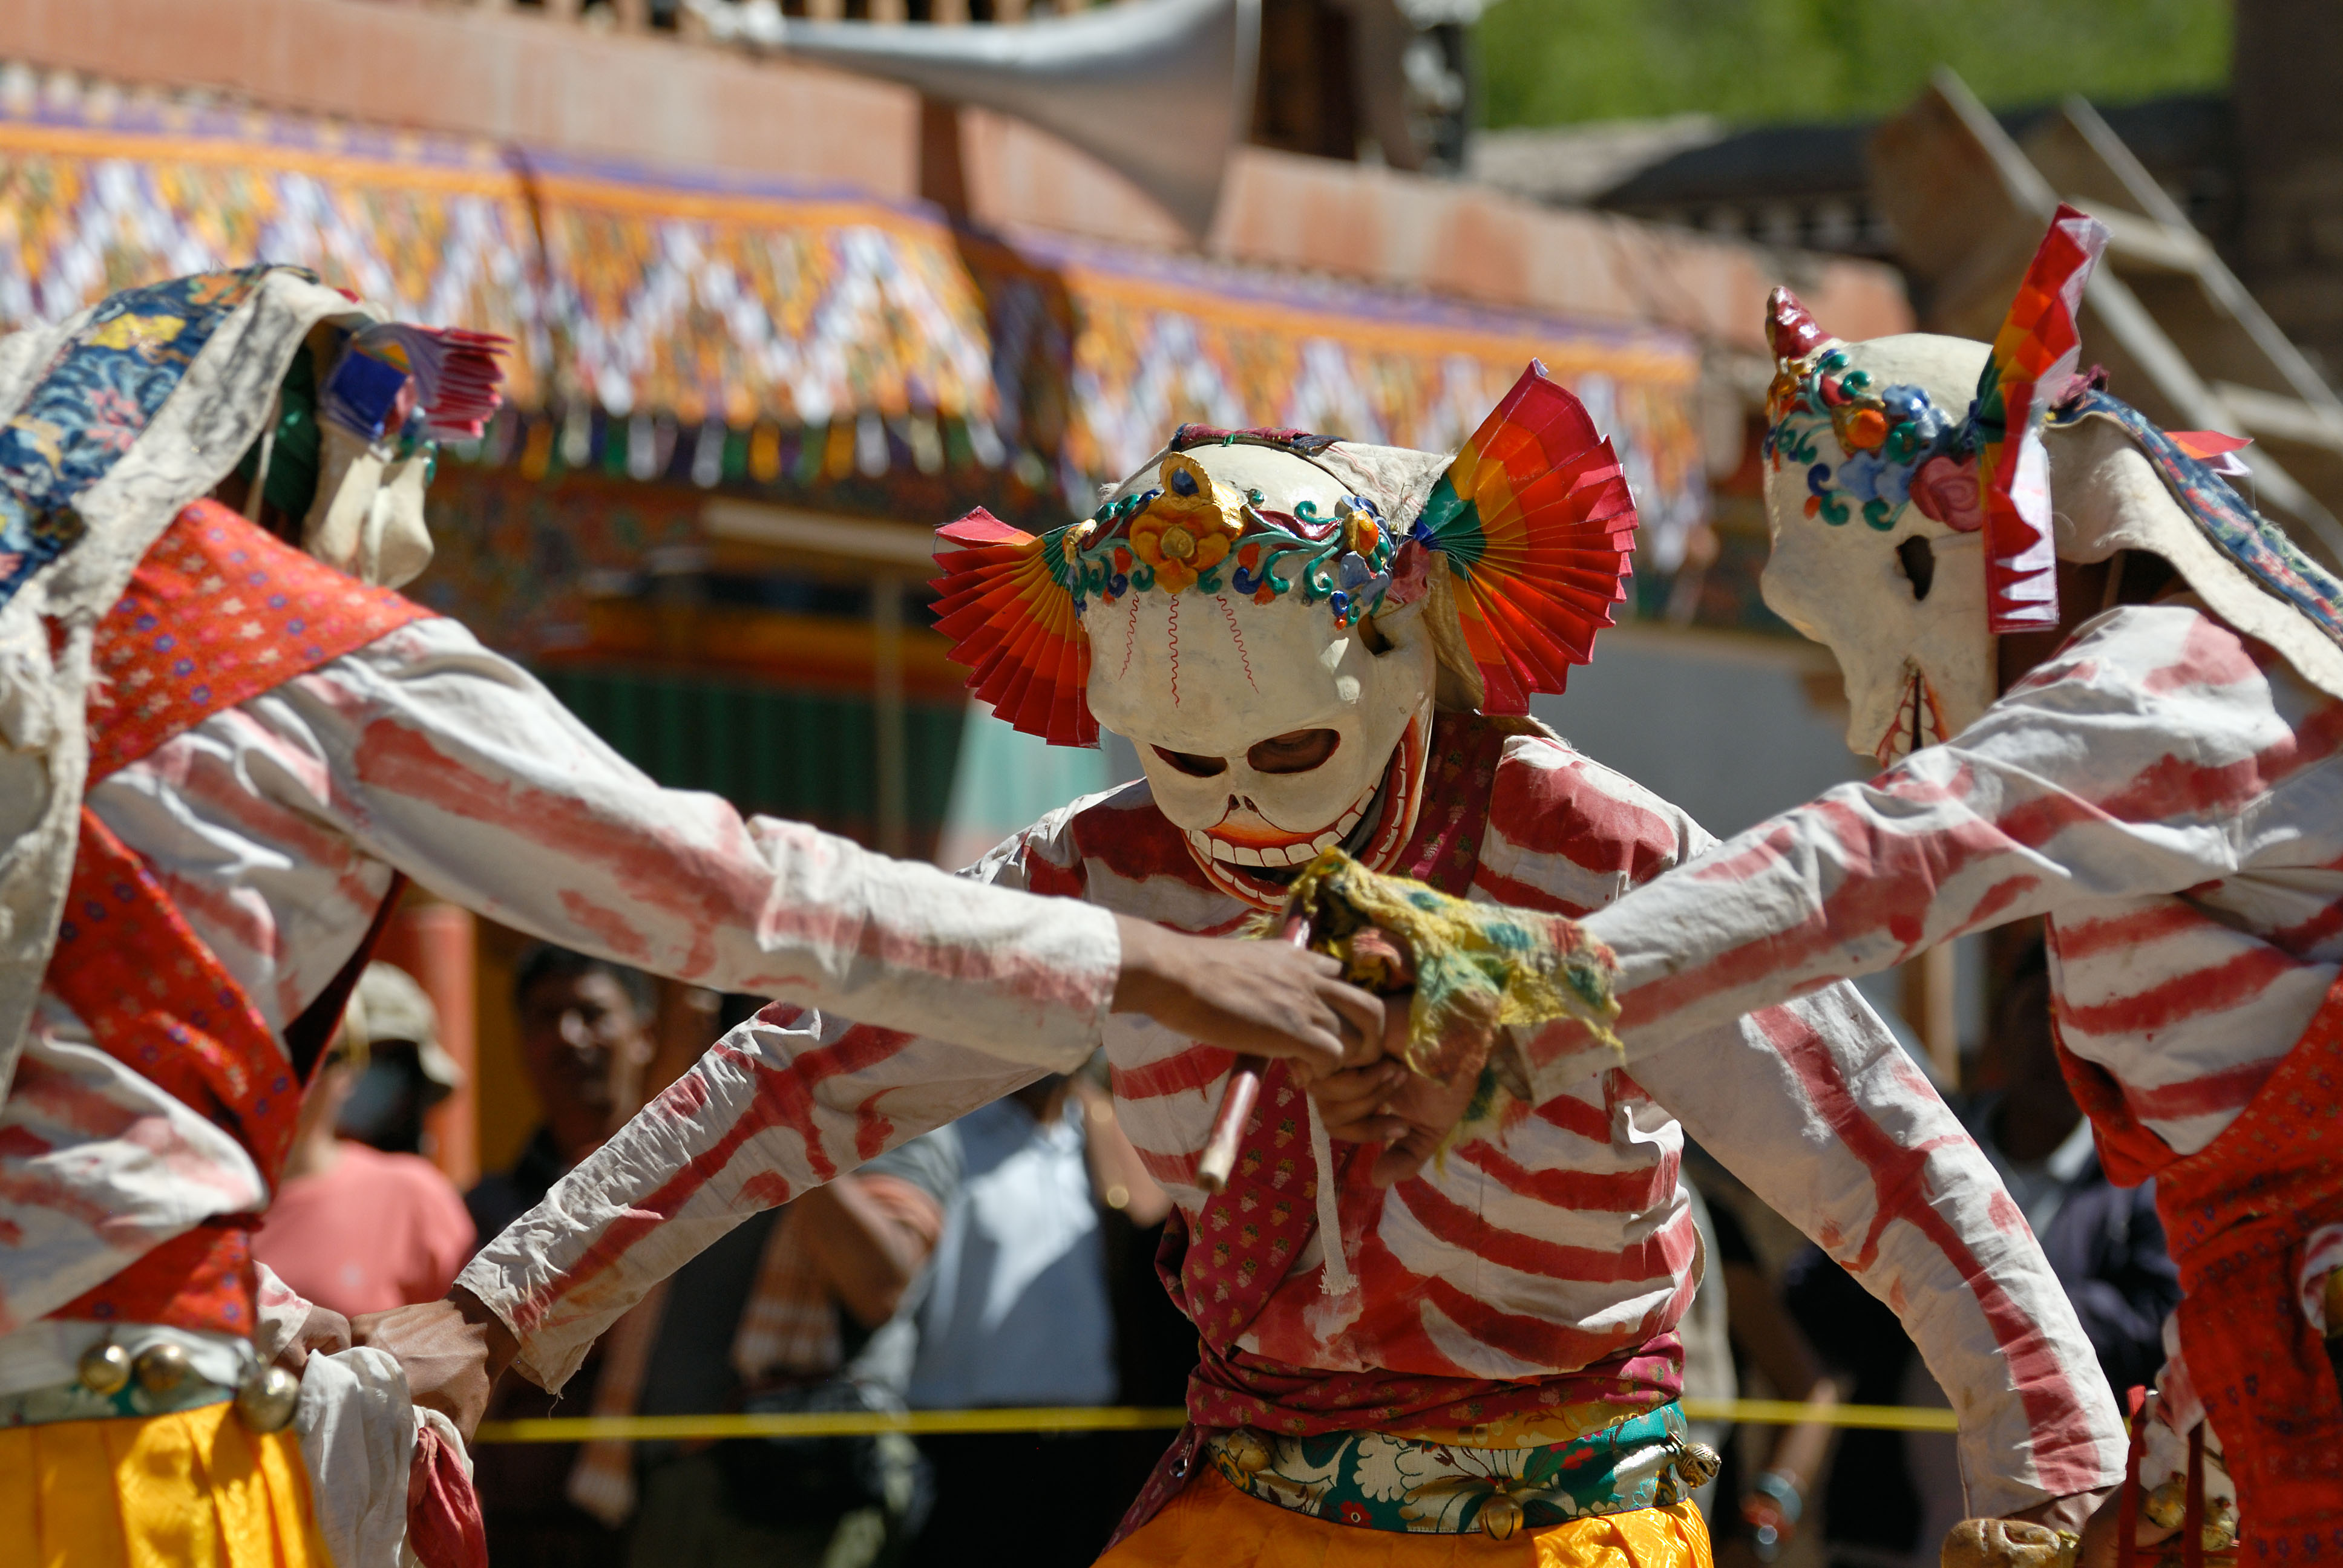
(1229, 841)
(1919, 720)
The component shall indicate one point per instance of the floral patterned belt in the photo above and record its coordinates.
(1380, 1481)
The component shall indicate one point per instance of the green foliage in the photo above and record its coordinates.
(1551, 62)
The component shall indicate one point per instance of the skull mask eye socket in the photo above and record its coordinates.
(1297, 752)
(1192, 764)
(1918, 558)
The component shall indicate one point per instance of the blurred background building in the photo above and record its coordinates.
(775, 320)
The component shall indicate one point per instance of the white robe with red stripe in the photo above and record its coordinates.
(1562, 1239)
(2166, 792)
(274, 827)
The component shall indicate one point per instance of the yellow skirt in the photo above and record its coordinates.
(1212, 1524)
(192, 1488)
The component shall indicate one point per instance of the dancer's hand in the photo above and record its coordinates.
(324, 1332)
(1426, 1111)
(1256, 998)
(2101, 1535)
(2073, 1512)
(1383, 1102)
(1356, 1103)
(452, 1351)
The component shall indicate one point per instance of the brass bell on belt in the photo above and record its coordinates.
(1696, 1465)
(266, 1398)
(162, 1368)
(1501, 1516)
(104, 1369)
(1247, 1450)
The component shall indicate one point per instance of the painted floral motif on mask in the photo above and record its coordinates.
(1891, 438)
(1948, 492)
(1190, 527)
(1188, 530)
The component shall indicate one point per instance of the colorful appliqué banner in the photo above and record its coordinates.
(821, 345)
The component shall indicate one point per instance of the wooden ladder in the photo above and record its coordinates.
(2181, 338)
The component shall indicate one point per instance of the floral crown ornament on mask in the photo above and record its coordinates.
(1986, 471)
(1532, 517)
(1181, 535)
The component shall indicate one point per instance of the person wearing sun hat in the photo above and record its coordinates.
(354, 1228)
(1313, 645)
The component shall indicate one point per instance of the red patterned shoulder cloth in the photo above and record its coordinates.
(2236, 1214)
(219, 612)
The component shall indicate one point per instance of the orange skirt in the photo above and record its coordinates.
(1212, 1524)
(193, 1487)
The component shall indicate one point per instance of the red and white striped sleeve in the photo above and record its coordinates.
(1815, 1106)
(454, 766)
(2156, 753)
(1824, 1115)
(786, 1101)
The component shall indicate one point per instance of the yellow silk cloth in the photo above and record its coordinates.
(1212, 1524)
(191, 1488)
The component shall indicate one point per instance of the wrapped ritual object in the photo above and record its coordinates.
(1469, 969)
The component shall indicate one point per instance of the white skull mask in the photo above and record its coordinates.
(1876, 549)
(1267, 726)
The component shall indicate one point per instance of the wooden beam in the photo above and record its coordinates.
(896, 545)
(2272, 416)
(2134, 241)
(894, 802)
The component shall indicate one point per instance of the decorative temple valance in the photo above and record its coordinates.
(92, 201)
(1143, 343)
(747, 306)
(822, 347)
(707, 300)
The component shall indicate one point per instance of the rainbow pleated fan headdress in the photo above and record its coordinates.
(1530, 520)
(1986, 469)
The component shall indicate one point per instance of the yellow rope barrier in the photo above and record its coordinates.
(860, 1424)
(1790, 1412)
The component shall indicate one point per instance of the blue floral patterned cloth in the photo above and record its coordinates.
(92, 401)
(1380, 1481)
(2244, 534)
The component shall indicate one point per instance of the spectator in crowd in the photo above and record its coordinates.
(586, 1035)
(805, 1307)
(1891, 1495)
(1709, 1372)
(1021, 1313)
(808, 1307)
(352, 1228)
(1759, 1496)
(403, 1080)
